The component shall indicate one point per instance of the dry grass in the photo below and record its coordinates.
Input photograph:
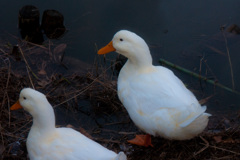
(109, 123)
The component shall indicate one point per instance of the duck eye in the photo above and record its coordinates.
(121, 39)
(24, 98)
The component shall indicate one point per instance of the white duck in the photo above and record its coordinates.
(156, 100)
(47, 142)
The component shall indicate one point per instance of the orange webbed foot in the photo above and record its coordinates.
(142, 140)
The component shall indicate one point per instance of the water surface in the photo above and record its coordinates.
(183, 33)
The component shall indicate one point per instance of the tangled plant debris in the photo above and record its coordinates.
(88, 100)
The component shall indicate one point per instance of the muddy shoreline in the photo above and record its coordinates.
(86, 99)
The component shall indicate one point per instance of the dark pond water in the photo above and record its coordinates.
(182, 32)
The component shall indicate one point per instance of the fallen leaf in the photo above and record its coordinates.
(84, 132)
(217, 139)
(42, 69)
(43, 83)
(229, 140)
(42, 72)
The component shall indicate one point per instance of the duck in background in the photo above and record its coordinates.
(45, 141)
(156, 100)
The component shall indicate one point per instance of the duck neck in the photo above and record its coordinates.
(44, 121)
(142, 59)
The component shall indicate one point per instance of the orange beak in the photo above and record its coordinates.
(16, 106)
(108, 48)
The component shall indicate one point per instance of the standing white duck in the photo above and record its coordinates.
(47, 142)
(156, 100)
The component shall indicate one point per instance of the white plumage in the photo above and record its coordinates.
(156, 100)
(45, 142)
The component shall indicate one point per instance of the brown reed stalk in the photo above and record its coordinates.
(229, 58)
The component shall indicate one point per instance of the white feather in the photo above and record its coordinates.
(45, 142)
(156, 100)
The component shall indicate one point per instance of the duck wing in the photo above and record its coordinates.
(67, 143)
(159, 92)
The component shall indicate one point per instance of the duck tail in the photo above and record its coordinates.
(200, 112)
(121, 156)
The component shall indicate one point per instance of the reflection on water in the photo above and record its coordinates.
(185, 33)
(28, 24)
(30, 28)
(52, 24)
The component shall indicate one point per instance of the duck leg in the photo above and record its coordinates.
(142, 140)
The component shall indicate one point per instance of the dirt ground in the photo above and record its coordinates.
(88, 102)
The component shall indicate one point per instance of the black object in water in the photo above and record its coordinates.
(28, 23)
(52, 24)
